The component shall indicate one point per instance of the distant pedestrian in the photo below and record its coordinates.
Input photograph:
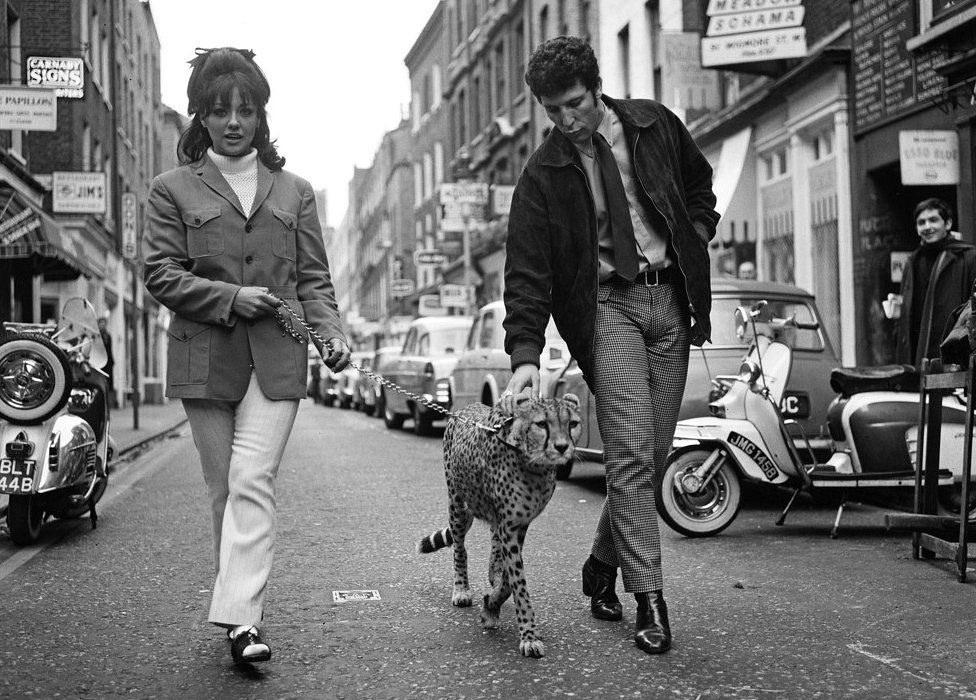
(938, 276)
(231, 233)
(608, 232)
(109, 367)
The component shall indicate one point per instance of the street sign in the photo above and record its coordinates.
(464, 193)
(129, 248)
(430, 257)
(402, 288)
(454, 296)
(501, 199)
(78, 193)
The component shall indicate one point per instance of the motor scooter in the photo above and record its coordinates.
(873, 426)
(54, 420)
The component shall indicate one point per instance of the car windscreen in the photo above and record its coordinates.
(447, 341)
(723, 322)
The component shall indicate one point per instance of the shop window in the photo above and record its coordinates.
(942, 9)
(775, 164)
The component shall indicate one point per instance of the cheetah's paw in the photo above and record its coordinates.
(533, 648)
(461, 597)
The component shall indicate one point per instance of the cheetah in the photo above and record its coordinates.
(505, 479)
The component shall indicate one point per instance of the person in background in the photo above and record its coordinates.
(747, 270)
(938, 276)
(110, 364)
(608, 233)
(230, 236)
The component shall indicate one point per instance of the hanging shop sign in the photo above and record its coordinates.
(929, 157)
(130, 249)
(28, 108)
(400, 288)
(454, 296)
(745, 31)
(430, 257)
(430, 305)
(78, 193)
(65, 75)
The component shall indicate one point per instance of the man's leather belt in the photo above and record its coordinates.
(652, 278)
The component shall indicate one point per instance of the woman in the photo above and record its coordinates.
(230, 233)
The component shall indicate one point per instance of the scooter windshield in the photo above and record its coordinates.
(79, 326)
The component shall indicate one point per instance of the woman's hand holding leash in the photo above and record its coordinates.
(254, 302)
(338, 357)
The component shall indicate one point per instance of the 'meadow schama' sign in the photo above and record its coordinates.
(744, 31)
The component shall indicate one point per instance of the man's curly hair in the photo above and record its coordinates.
(556, 66)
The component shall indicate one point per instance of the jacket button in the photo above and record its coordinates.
(248, 228)
(249, 259)
(221, 320)
(184, 335)
(196, 220)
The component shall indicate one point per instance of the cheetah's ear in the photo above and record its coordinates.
(571, 399)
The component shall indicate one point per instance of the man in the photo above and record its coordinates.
(938, 276)
(608, 232)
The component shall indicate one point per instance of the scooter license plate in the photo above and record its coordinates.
(17, 475)
(795, 404)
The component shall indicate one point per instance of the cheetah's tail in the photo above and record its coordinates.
(438, 540)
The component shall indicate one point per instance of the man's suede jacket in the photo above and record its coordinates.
(551, 251)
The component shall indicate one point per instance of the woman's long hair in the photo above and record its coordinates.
(216, 74)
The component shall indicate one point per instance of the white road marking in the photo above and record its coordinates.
(951, 687)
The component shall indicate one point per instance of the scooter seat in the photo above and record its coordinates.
(855, 380)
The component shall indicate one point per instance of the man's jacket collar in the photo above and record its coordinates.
(558, 151)
(212, 177)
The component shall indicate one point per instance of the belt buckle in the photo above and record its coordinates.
(647, 278)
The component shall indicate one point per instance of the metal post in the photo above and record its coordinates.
(466, 254)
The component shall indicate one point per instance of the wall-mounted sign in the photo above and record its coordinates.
(65, 75)
(18, 226)
(400, 288)
(129, 246)
(454, 296)
(430, 305)
(929, 157)
(464, 193)
(78, 193)
(897, 264)
(28, 108)
(745, 31)
(429, 258)
(501, 199)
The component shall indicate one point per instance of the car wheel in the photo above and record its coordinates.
(423, 422)
(392, 420)
(709, 510)
(35, 379)
(380, 406)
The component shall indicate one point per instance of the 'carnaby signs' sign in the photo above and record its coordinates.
(65, 75)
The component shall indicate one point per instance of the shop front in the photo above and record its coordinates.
(914, 118)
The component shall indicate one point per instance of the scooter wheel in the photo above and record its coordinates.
(706, 512)
(25, 515)
(35, 379)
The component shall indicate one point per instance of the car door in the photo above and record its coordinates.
(400, 370)
(466, 373)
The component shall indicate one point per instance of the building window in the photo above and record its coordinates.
(476, 105)
(823, 145)
(418, 184)
(653, 11)
(436, 88)
(584, 19)
(775, 164)
(462, 121)
(623, 47)
(518, 54)
(543, 23)
(459, 16)
(106, 57)
(428, 175)
(438, 163)
(86, 154)
(415, 111)
(501, 97)
(14, 72)
(561, 25)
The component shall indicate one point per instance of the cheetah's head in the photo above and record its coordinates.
(544, 430)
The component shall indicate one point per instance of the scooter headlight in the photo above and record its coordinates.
(748, 372)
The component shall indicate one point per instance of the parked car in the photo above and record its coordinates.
(807, 393)
(346, 386)
(381, 363)
(328, 386)
(484, 368)
(423, 367)
(363, 393)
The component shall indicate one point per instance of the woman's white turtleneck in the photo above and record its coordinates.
(241, 174)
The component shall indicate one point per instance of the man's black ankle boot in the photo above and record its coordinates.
(600, 582)
(653, 634)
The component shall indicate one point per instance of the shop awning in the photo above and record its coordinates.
(27, 233)
(732, 157)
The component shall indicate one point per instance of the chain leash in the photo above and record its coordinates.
(288, 329)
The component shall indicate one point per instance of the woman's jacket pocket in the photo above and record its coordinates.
(283, 235)
(188, 355)
(203, 232)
